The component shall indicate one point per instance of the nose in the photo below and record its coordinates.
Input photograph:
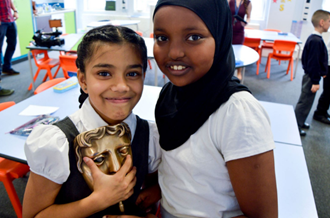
(119, 84)
(176, 50)
(114, 164)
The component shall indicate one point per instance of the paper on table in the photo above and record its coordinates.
(35, 110)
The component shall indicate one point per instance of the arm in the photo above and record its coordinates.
(254, 184)
(248, 13)
(40, 193)
(14, 9)
(150, 194)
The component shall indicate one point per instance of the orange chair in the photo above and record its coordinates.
(48, 84)
(255, 44)
(151, 35)
(139, 33)
(10, 170)
(267, 44)
(68, 64)
(279, 47)
(44, 63)
(5, 105)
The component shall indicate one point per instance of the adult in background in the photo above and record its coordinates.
(239, 8)
(7, 29)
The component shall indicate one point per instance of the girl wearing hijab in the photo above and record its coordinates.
(216, 139)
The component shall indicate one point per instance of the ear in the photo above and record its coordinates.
(321, 22)
(82, 81)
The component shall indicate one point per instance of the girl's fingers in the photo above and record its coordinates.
(126, 167)
(92, 166)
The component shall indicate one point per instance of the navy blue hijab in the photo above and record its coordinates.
(181, 111)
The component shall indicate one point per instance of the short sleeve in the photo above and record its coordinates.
(46, 151)
(245, 129)
(154, 158)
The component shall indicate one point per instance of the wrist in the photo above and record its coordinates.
(15, 11)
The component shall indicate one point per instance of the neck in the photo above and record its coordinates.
(319, 29)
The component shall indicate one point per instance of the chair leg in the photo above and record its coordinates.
(289, 66)
(268, 67)
(34, 78)
(65, 73)
(58, 68)
(48, 74)
(149, 62)
(291, 69)
(13, 196)
(268, 60)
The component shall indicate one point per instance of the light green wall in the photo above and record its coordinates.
(24, 24)
(70, 22)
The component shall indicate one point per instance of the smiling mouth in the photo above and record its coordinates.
(118, 100)
(178, 67)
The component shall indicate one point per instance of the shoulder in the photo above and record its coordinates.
(240, 101)
(46, 151)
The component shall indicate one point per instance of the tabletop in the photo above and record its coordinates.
(294, 190)
(283, 122)
(270, 35)
(70, 41)
(244, 56)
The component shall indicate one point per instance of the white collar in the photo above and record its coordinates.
(316, 33)
(91, 120)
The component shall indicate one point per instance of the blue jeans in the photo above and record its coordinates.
(10, 31)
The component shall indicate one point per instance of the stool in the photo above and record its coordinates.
(10, 170)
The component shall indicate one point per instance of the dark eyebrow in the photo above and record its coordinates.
(101, 65)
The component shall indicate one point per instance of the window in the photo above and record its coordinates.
(326, 5)
(259, 9)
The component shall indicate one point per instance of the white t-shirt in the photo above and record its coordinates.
(194, 177)
(47, 148)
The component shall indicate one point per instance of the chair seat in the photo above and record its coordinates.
(282, 56)
(267, 45)
(12, 168)
(50, 62)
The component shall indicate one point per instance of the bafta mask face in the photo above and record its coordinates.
(107, 146)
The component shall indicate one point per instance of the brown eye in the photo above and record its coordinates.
(123, 151)
(98, 160)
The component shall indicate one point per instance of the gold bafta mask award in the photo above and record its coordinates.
(107, 146)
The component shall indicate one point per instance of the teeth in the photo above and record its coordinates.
(178, 67)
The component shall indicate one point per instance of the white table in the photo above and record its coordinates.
(294, 191)
(272, 36)
(283, 122)
(246, 55)
(114, 23)
(295, 196)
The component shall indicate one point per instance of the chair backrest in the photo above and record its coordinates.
(68, 63)
(48, 84)
(273, 30)
(36, 52)
(284, 45)
(5, 105)
(139, 32)
(252, 42)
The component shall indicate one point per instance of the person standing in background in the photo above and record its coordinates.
(315, 64)
(240, 8)
(7, 29)
(321, 112)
